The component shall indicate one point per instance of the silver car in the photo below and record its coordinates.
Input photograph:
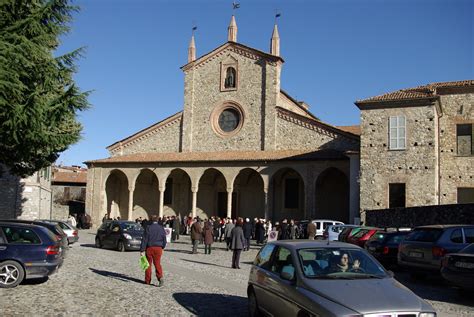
(311, 278)
(70, 230)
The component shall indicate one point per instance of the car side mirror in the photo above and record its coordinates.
(390, 273)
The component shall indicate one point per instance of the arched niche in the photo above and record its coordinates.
(332, 195)
(116, 189)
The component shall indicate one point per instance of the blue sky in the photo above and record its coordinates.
(335, 52)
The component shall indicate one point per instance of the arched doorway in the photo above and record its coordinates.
(250, 196)
(332, 195)
(178, 197)
(116, 189)
(288, 195)
(146, 197)
(212, 195)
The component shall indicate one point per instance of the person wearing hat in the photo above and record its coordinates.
(247, 228)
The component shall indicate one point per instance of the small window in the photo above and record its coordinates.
(464, 138)
(397, 133)
(116, 228)
(465, 195)
(396, 195)
(292, 193)
(456, 236)
(469, 234)
(168, 197)
(318, 225)
(326, 224)
(282, 261)
(264, 256)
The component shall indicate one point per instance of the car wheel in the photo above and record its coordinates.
(98, 244)
(11, 274)
(121, 246)
(254, 311)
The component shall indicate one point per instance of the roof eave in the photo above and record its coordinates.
(374, 104)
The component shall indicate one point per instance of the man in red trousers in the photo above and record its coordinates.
(154, 241)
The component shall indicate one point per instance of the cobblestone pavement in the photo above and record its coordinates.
(95, 282)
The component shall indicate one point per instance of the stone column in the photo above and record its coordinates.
(229, 202)
(266, 207)
(161, 189)
(131, 189)
(309, 201)
(194, 190)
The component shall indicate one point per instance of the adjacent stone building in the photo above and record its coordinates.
(417, 147)
(69, 191)
(25, 198)
(241, 146)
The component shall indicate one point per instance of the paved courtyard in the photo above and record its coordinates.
(109, 283)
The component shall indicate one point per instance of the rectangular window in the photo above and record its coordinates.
(397, 135)
(396, 195)
(464, 139)
(168, 199)
(291, 193)
(465, 195)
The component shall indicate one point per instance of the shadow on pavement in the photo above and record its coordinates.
(435, 288)
(178, 251)
(35, 281)
(88, 245)
(118, 276)
(205, 304)
(206, 263)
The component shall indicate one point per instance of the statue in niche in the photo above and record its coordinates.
(230, 78)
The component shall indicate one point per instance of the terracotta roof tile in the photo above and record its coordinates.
(354, 129)
(227, 156)
(70, 177)
(426, 91)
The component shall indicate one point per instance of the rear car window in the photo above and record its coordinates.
(360, 233)
(424, 235)
(456, 236)
(469, 233)
(325, 224)
(396, 238)
(378, 236)
(19, 235)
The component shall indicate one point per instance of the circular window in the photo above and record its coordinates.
(229, 120)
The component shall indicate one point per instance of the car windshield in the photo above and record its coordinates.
(131, 226)
(339, 263)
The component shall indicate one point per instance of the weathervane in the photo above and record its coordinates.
(235, 5)
(277, 15)
(194, 27)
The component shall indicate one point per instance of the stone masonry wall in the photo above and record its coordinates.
(456, 171)
(164, 140)
(420, 216)
(416, 166)
(203, 94)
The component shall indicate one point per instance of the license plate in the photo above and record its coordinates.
(415, 254)
(464, 265)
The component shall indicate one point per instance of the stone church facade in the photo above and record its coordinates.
(417, 147)
(241, 146)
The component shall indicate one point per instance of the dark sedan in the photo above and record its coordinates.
(384, 246)
(310, 278)
(458, 268)
(27, 251)
(121, 235)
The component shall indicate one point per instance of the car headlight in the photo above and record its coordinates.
(127, 236)
(427, 315)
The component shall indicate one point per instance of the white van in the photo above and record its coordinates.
(321, 225)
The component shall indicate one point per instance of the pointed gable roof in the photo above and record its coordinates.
(235, 47)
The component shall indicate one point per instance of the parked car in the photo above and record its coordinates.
(322, 224)
(332, 232)
(424, 247)
(54, 228)
(383, 246)
(71, 231)
(458, 268)
(348, 232)
(362, 236)
(312, 278)
(27, 251)
(119, 234)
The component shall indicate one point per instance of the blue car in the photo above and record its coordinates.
(27, 251)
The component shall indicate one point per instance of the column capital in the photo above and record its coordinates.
(194, 189)
(131, 188)
(230, 189)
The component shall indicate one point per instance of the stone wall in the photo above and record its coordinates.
(416, 166)
(455, 171)
(419, 216)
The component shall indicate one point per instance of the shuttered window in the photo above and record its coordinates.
(397, 133)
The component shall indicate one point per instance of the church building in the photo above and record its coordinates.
(240, 147)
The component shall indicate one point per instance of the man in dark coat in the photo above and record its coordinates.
(153, 242)
(283, 231)
(259, 232)
(247, 228)
(237, 243)
(196, 234)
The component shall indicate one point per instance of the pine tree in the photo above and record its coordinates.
(38, 97)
